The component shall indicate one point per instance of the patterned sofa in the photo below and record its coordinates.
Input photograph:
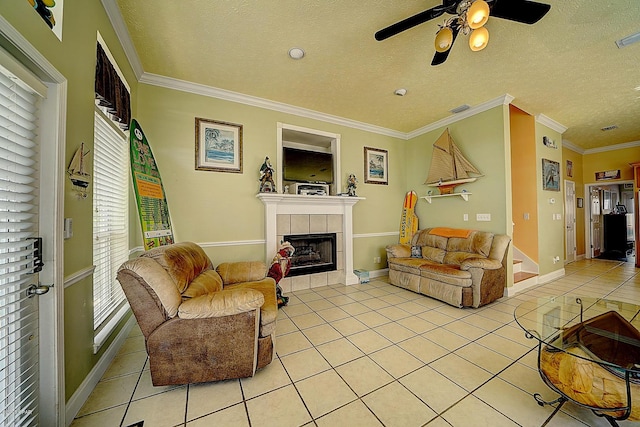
(464, 268)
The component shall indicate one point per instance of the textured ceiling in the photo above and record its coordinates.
(567, 66)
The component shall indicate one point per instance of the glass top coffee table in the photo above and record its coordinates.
(588, 352)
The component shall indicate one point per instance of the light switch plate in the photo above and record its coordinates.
(483, 217)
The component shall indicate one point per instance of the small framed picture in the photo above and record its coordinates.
(580, 201)
(569, 169)
(218, 146)
(376, 170)
(550, 175)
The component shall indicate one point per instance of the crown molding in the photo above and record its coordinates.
(550, 123)
(622, 146)
(501, 100)
(113, 12)
(572, 147)
(199, 89)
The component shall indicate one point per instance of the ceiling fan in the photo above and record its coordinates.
(469, 16)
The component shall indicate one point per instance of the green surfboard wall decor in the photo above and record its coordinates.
(150, 196)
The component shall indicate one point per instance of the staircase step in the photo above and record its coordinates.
(523, 275)
(517, 266)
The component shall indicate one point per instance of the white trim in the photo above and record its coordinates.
(572, 147)
(521, 286)
(108, 328)
(254, 101)
(113, 12)
(551, 276)
(550, 123)
(81, 394)
(383, 234)
(136, 250)
(631, 144)
(379, 273)
(74, 278)
(231, 243)
(501, 100)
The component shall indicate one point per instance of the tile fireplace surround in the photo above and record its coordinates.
(287, 214)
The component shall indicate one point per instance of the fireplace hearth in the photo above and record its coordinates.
(314, 253)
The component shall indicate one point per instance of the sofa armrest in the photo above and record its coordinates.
(484, 263)
(221, 303)
(242, 271)
(398, 251)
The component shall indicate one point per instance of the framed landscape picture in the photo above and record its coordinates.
(376, 170)
(218, 146)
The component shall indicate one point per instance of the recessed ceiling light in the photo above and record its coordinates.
(296, 53)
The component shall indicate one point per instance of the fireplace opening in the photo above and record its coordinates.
(314, 253)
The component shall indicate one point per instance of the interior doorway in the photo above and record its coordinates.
(609, 221)
(570, 220)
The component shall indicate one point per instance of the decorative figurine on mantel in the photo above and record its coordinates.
(266, 177)
(351, 185)
(280, 267)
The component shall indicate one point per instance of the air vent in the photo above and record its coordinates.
(460, 109)
(610, 127)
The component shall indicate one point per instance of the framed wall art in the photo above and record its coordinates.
(550, 175)
(218, 146)
(376, 169)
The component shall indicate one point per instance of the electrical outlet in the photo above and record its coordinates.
(483, 217)
(376, 260)
(465, 217)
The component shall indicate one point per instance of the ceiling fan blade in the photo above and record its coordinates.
(525, 11)
(409, 22)
(440, 57)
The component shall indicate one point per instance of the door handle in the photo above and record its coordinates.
(38, 290)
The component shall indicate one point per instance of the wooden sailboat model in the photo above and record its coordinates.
(449, 167)
(76, 171)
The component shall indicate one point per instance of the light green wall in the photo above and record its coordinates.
(214, 207)
(550, 231)
(74, 58)
(484, 142)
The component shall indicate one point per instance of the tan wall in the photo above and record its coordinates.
(524, 182)
(610, 160)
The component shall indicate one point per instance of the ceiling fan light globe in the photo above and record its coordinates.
(444, 39)
(479, 39)
(478, 14)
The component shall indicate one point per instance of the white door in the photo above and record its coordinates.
(26, 318)
(570, 219)
(596, 214)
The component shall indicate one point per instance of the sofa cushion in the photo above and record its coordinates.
(269, 310)
(183, 261)
(408, 265)
(207, 282)
(433, 254)
(479, 242)
(423, 238)
(450, 274)
(457, 258)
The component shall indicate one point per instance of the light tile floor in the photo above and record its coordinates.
(370, 355)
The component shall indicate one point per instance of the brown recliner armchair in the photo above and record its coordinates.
(201, 324)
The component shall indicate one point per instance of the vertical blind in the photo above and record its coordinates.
(110, 216)
(18, 223)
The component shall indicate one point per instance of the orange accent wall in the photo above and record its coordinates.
(610, 160)
(523, 182)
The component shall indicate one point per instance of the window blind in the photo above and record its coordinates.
(110, 217)
(18, 223)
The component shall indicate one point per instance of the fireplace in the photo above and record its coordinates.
(314, 253)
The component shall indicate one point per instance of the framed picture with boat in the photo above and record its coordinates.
(218, 146)
(376, 166)
(550, 175)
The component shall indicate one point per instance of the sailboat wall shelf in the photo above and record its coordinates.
(77, 174)
(449, 168)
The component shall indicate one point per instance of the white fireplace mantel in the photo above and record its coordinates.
(294, 204)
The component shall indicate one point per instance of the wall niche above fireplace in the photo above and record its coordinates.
(320, 147)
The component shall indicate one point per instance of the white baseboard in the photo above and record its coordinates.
(532, 282)
(379, 273)
(551, 276)
(74, 404)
